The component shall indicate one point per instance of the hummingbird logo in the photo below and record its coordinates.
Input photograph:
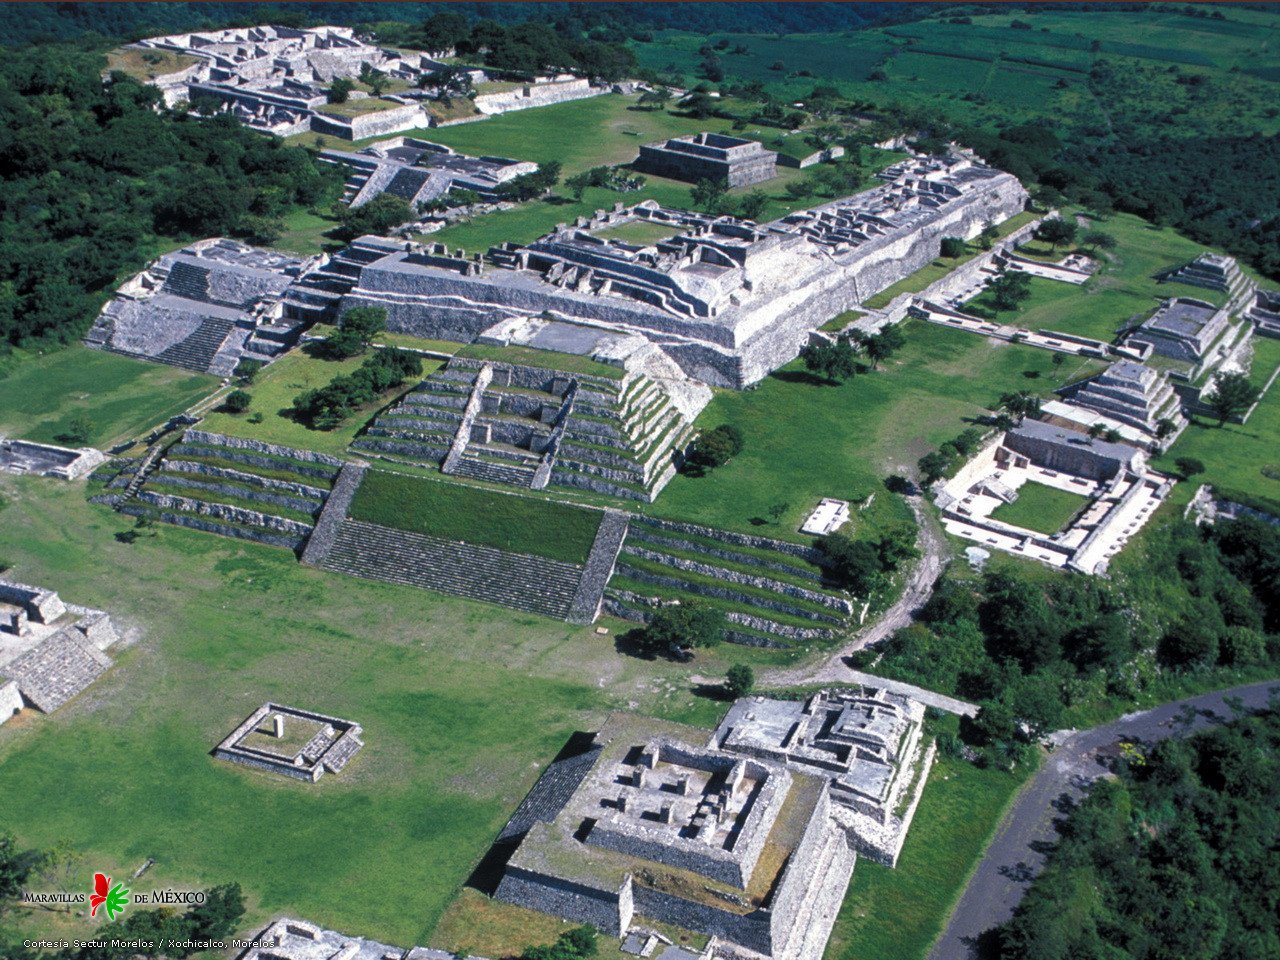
(112, 899)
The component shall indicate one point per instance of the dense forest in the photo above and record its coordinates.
(1195, 599)
(93, 175)
(1178, 858)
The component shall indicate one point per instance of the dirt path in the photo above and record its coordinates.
(834, 669)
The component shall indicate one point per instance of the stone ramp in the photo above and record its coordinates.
(55, 671)
(335, 511)
(600, 563)
(514, 580)
(549, 794)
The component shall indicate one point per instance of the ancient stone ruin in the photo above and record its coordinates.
(709, 156)
(203, 308)
(728, 300)
(1119, 492)
(1128, 393)
(291, 742)
(49, 650)
(289, 939)
(47, 460)
(751, 838)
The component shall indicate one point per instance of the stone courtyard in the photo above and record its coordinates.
(294, 743)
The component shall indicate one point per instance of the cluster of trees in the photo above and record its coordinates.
(714, 448)
(677, 630)
(618, 179)
(380, 215)
(863, 566)
(1176, 857)
(214, 919)
(93, 174)
(576, 944)
(939, 463)
(530, 185)
(526, 48)
(1026, 651)
(837, 361)
(326, 407)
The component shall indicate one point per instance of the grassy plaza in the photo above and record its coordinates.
(1041, 508)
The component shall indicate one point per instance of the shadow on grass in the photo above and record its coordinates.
(712, 691)
(803, 377)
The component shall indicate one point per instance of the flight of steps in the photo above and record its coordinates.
(513, 580)
(197, 351)
(825, 879)
(773, 592)
(509, 472)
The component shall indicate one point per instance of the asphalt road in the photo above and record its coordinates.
(1018, 850)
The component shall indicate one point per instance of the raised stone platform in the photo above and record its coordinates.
(709, 156)
(294, 743)
(47, 460)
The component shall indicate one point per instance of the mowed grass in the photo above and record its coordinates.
(122, 398)
(462, 705)
(1235, 454)
(1041, 508)
(897, 913)
(273, 390)
(456, 512)
(806, 439)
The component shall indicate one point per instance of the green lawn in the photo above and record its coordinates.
(461, 703)
(456, 512)
(895, 914)
(533, 357)
(806, 440)
(358, 108)
(1041, 508)
(273, 391)
(123, 399)
(639, 231)
(1234, 455)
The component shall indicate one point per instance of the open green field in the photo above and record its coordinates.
(987, 71)
(273, 391)
(896, 913)
(122, 398)
(1041, 508)
(806, 440)
(146, 65)
(1124, 289)
(639, 231)
(461, 703)
(503, 520)
(1234, 455)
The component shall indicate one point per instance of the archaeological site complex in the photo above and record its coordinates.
(750, 838)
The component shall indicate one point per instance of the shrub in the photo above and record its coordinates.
(237, 401)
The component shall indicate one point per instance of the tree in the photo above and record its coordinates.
(953, 247)
(237, 401)
(1113, 436)
(835, 361)
(715, 448)
(1058, 360)
(752, 205)
(340, 89)
(699, 105)
(1009, 289)
(247, 370)
(1096, 430)
(1189, 467)
(1021, 404)
(654, 99)
(706, 194)
(1231, 396)
(777, 510)
(677, 629)
(1165, 427)
(933, 466)
(14, 869)
(854, 564)
(883, 345)
(739, 680)
(1056, 230)
(59, 864)
(365, 323)
(988, 236)
(380, 215)
(1094, 240)
(78, 431)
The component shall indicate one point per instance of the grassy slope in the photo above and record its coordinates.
(123, 398)
(273, 391)
(506, 521)
(895, 914)
(805, 442)
(1040, 508)
(461, 704)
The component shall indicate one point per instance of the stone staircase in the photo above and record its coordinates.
(601, 562)
(513, 580)
(197, 351)
(494, 471)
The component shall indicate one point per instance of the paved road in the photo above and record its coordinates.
(920, 582)
(1017, 852)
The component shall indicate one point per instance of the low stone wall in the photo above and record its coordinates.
(275, 450)
(721, 593)
(252, 479)
(223, 511)
(563, 898)
(841, 604)
(311, 507)
(750, 930)
(209, 526)
(811, 554)
(646, 536)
